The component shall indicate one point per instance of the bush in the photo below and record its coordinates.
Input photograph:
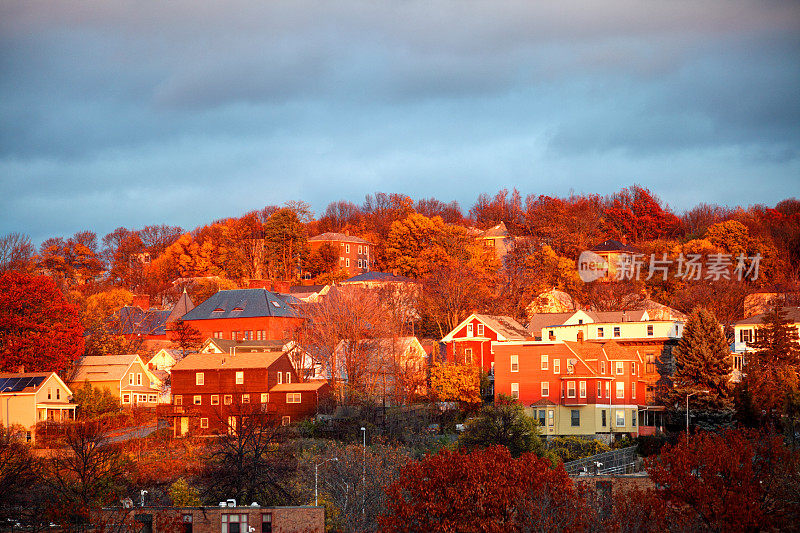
(572, 448)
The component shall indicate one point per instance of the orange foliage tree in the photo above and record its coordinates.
(486, 490)
(38, 328)
(737, 480)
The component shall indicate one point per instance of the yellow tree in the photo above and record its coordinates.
(417, 244)
(456, 383)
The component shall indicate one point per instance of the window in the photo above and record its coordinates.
(264, 397)
(545, 388)
(227, 399)
(239, 377)
(347, 262)
(620, 367)
(515, 390)
(126, 398)
(545, 362)
(515, 363)
(197, 400)
(293, 397)
(599, 389)
(467, 356)
(608, 389)
(215, 399)
(266, 523)
(204, 423)
(542, 417)
(217, 334)
(187, 523)
(649, 330)
(280, 378)
(677, 330)
(575, 418)
(152, 398)
(604, 422)
(633, 417)
(736, 362)
(580, 321)
(234, 335)
(286, 420)
(360, 251)
(360, 264)
(616, 331)
(582, 389)
(480, 330)
(248, 335)
(620, 417)
(602, 367)
(178, 400)
(746, 335)
(234, 523)
(633, 390)
(288, 378)
(199, 378)
(600, 333)
(556, 366)
(347, 249)
(550, 417)
(552, 335)
(570, 389)
(469, 330)
(130, 378)
(633, 369)
(620, 389)
(650, 362)
(245, 398)
(139, 379)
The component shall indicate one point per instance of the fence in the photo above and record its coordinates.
(615, 462)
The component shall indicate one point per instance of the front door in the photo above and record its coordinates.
(184, 425)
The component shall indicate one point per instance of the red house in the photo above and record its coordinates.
(244, 314)
(472, 341)
(211, 392)
(575, 387)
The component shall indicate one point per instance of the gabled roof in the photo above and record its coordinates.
(338, 237)
(618, 316)
(242, 303)
(499, 230)
(183, 306)
(792, 315)
(215, 361)
(104, 367)
(540, 321)
(387, 344)
(135, 321)
(614, 246)
(612, 350)
(505, 327)
(242, 346)
(384, 277)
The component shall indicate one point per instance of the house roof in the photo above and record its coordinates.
(380, 277)
(400, 344)
(11, 382)
(636, 315)
(183, 306)
(540, 321)
(242, 346)
(614, 246)
(338, 237)
(220, 361)
(306, 289)
(103, 367)
(133, 320)
(242, 303)
(298, 387)
(792, 315)
(499, 230)
(505, 326)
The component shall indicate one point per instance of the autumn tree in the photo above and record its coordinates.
(488, 212)
(431, 207)
(252, 463)
(19, 473)
(504, 423)
(452, 382)
(417, 244)
(286, 244)
(100, 322)
(483, 491)
(94, 401)
(38, 328)
(637, 215)
(16, 252)
(773, 365)
(323, 261)
(183, 494)
(186, 337)
(737, 480)
(702, 362)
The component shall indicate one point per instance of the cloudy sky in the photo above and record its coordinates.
(182, 112)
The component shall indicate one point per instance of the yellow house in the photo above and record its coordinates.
(126, 376)
(29, 398)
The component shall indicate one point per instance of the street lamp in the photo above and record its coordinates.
(364, 473)
(316, 477)
(687, 409)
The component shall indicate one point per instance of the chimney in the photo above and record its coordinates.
(282, 286)
(142, 301)
(258, 284)
(21, 369)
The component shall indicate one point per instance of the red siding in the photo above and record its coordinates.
(481, 349)
(276, 328)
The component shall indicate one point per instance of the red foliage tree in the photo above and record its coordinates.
(485, 490)
(38, 328)
(734, 481)
(634, 213)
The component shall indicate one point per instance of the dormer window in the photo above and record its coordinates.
(218, 310)
(237, 308)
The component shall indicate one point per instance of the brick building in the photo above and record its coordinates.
(224, 519)
(574, 387)
(355, 255)
(244, 314)
(212, 391)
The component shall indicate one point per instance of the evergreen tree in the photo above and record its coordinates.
(702, 362)
(773, 366)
